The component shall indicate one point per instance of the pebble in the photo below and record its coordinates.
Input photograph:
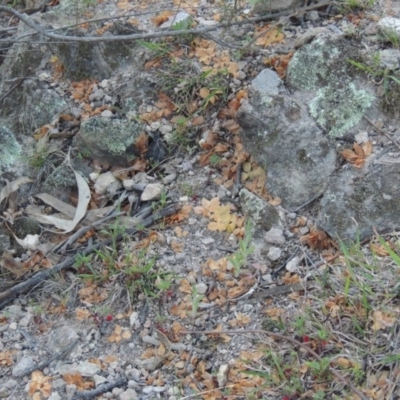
(274, 253)
(293, 264)
(107, 114)
(152, 192)
(275, 236)
(26, 363)
(201, 288)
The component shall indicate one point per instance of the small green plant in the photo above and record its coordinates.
(350, 5)
(391, 36)
(320, 368)
(379, 74)
(240, 257)
(215, 159)
(196, 300)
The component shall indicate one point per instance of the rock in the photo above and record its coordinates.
(201, 288)
(293, 264)
(152, 192)
(128, 394)
(359, 199)
(274, 253)
(60, 338)
(110, 140)
(107, 182)
(54, 396)
(275, 236)
(389, 24)
(265, 7)
(10, 384)
(263, 216)
(10, 149)
(107, 114)
(98, 380)
(133, 318)
(287, 143)
(169, 178)
(308, 36)
(312, 16)
(389, 59)
(320, 66)
(87, 369)
(25, 364)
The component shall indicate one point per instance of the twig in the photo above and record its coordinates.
(289, 339)
(382, 132)
(9, 295)
(106, 387)
(85, 229)
(196, 31)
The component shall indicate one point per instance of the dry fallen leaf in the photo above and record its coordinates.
(358, 155)
(40, 383)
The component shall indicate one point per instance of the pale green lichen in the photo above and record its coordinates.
(311, 64)
(339, 107)
(10, 149)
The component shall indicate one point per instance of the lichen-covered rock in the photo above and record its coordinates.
(110, 140)
(359, 199)
(262, 215)
(10, 149)
(322, 68)
(281, 136)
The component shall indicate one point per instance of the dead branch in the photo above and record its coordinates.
(7, 296)
(196, 31)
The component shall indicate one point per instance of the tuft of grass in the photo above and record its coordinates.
(351, 5)
(346, 321)
(240, 257)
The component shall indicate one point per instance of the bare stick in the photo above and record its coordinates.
(197, 31)
(9, 295)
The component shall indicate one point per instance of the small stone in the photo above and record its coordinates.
(184, 199)
(274, 253)
(304, 230)
(128, 184)
(152, 192)
(293, 264)
(87, 369)
(128, 394)
(201, 288)
(312, 16)
(267, 278)
(54, 396)
(117, 391)
(13, 326)
(361, 137)
(207, 240)
(275, 236)
(107, 114)
(26, 363)
(106, 182)
(98, 380)
(133, 318)
(169, 179)
(10, 384)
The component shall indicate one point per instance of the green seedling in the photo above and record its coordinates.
(196, 300)
(240, 257)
